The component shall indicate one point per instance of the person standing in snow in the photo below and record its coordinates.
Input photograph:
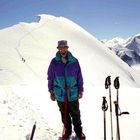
(65, 84)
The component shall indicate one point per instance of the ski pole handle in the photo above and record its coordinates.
(107, 82)
(117, 83)
(104, 104)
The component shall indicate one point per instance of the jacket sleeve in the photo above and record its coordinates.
(80, 79)
(50, 76)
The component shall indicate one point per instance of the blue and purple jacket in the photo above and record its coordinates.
(61, 75)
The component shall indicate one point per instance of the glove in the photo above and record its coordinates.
(52, 96)
(80, 95)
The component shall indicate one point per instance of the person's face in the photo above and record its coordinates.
(63, 51)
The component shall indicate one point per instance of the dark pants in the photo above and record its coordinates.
(73, 116)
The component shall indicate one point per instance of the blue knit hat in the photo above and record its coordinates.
(62, 43)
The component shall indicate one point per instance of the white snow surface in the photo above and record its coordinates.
(117, 41)
(26, 50)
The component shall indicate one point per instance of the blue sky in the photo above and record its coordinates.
(104, 19)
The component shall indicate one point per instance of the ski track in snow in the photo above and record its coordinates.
(18, 115)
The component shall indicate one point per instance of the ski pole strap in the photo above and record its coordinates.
(118, 111)
(116, 83)
(124, 113)
(104, 104)
(107, 82)
(116, 108)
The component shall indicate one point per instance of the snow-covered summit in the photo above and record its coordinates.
(128, 50)
(117, 41)
(27, 53)
(134, 44)
(45, 18)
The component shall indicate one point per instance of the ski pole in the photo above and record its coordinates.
(117, 108)
(33, 131)
(117, 121)
(117, 86)
(104, 108)
(107, 86)
(65, 111)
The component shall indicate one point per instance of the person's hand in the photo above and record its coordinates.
(80, 95)
(52, 96)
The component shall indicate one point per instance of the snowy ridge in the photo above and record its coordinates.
(45, 18)
(26, 50)
(31, 47)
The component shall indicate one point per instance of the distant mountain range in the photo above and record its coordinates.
(128, 50)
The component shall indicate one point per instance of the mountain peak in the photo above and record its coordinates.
(45, 17)
(35, 44)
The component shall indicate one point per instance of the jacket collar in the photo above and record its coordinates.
(70, 57)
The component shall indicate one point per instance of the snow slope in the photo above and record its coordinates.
(29, 47)
(26, 50)
(23, 105)
(18, 115)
